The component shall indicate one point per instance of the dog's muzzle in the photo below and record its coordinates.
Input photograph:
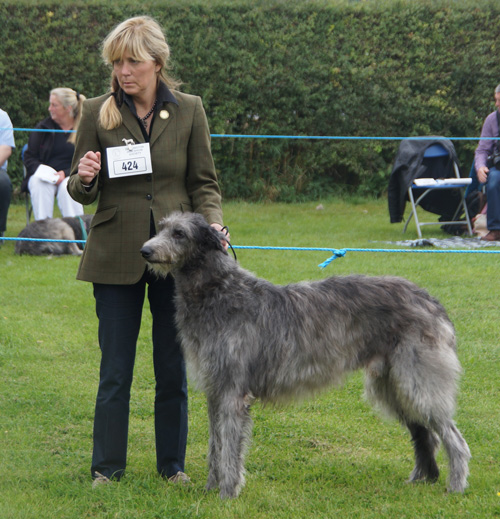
(147, 253)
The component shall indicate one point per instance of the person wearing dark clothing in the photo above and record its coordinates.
(144, 115)
(49, 155)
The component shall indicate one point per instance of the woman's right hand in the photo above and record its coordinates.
(89, 167)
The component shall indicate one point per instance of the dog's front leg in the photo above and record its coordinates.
(235, 426)
(214, 445)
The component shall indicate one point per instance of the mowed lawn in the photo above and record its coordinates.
(328, 457)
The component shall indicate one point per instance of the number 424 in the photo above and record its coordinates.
(130, 165)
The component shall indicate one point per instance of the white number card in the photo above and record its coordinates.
(132, 159)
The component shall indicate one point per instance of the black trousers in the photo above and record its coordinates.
(5, 196)
(119, 309)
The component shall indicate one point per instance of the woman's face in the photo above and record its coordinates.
(58, 112)
(136, 78)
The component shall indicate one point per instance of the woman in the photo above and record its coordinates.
(49, 154)
(142, 107)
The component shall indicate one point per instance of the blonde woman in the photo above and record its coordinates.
(144, 150)
(49, 155)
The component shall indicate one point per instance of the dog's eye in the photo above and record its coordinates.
(178, 234)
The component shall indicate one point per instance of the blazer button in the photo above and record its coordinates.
(149, 197)
(148, 178)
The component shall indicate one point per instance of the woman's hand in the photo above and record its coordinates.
(62, 176)
(89, 167)
(223, 230)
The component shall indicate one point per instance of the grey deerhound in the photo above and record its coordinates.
(68, 229)
(245, 338)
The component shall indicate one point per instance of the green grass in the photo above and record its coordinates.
(327, 457)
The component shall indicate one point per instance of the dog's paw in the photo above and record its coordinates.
(228, 493)
(211, 485)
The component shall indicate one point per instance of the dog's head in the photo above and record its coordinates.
(183, 241)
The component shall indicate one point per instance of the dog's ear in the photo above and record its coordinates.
(213, 239)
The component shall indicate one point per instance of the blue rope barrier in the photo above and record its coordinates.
(336, 253)
(5, 238)
(351, 137)
(340, 253)
(300, 137)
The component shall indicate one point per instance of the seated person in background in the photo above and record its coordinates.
(490, 175)
(6, 146)
(49, 155)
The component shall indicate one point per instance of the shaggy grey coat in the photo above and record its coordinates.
(245, 338)
(68, 228)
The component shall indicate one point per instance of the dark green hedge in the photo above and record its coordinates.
(400, 68)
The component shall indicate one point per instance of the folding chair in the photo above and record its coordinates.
(27, 197)
(422, 187)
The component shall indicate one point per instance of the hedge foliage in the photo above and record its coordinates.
(317, 68)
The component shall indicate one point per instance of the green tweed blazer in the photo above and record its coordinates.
(183, 179)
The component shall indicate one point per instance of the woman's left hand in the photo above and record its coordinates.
(223, 230)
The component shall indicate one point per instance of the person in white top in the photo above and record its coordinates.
(6, 146)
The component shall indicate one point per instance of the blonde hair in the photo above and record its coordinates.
(143, 38)
(69, 98)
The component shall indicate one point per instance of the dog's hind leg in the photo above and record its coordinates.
(458, 455)
(385, 395)
(427, 390)
(235, 426)
(74, 249)
(419, 388)
(425, 444)
(71, 247)
(214, 444)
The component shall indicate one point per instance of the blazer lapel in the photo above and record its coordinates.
(131, 123)
(162, 119)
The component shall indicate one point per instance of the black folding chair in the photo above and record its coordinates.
(423, 186)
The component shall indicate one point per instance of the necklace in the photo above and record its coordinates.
(147, 116)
